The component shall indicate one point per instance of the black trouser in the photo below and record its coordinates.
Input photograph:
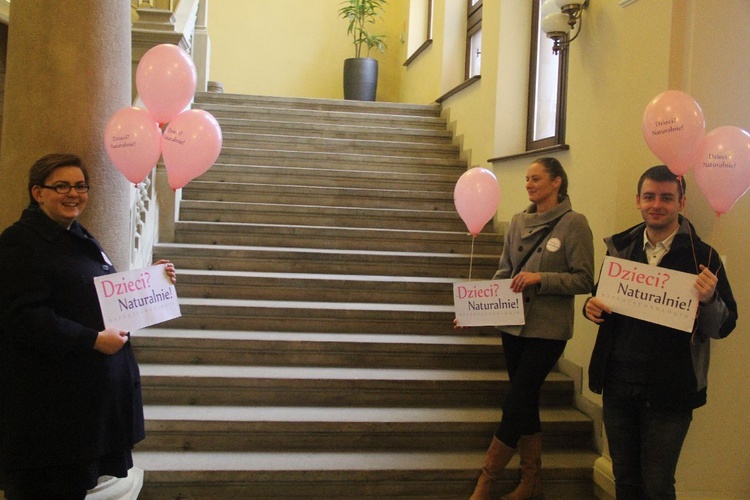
(53, 483)
(529, 361)
(644, 442)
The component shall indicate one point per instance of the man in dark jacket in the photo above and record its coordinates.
(653, 376)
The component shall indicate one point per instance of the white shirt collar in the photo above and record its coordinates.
(654, 253)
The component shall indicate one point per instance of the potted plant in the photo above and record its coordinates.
(361, 73)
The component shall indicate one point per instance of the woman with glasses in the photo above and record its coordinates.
(70, 396)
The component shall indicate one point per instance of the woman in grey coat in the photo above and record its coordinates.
(549, 256)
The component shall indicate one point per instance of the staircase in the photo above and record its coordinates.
(315, 356)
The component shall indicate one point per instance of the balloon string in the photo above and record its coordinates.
(716, 237)
(471, 258)
(716, 229)
(684, 208)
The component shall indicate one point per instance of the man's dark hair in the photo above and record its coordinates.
(661, 173)
(44, 166)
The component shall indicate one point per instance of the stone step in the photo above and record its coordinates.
(374, 475)
(398, 147)
(265, 173)
(226, 385)
(215, 257)
(330, 317)
(334, 238)
(281, 428)
(465, 350)
(327, 117)
(316, 355)
(317, 104)
(312, 214)
(314, 287)
(300, 127)
(344, 161)
(401, 200)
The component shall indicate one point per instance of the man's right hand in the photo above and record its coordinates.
(110, 340)
(594, 309)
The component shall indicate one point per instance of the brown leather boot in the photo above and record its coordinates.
(498, 456)
(530, 450)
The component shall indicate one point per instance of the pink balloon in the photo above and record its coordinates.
(476, 196)
(166, 79)
(191, 144)
(132, 140)
(722, 167)
(673, 125)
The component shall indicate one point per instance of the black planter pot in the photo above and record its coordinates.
(360, 78)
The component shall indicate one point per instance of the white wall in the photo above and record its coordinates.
(716, 72)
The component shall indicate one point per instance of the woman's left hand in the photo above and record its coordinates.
(524, 279)
(169, 269)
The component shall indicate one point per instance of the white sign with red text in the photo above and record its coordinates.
(651, 293)
(487, 303)
(138, 298)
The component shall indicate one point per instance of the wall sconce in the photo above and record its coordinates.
(559, 18)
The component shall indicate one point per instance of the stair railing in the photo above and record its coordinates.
(154, 205)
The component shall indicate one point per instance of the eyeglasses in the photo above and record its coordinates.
(65, 188)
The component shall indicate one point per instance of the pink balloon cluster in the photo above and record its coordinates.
(191, 142)
(674, 129)
(672, 126)
(476, 196)
(722, 167)
(166, 81)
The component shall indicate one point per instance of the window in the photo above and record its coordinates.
(473, 38)
(548, 75)
(420, 28)
(430, 7)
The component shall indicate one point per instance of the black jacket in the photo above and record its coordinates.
(60, 400)
(678, 362)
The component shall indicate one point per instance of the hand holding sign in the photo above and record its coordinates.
(168, 269)
(110, 340)
(595, 309)
(706, 285)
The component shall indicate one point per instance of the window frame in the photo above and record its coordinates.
(558, 138)
(430, 8)
(428, 35)
(473, 26)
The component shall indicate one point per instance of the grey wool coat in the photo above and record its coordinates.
(565, 261)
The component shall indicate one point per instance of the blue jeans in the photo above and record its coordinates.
(644, 443)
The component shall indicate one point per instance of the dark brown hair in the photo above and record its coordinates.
(44, 166)
(555, 169)
(661, 173)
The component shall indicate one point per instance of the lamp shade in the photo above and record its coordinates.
(548, 7)
(555, 23)
(562, 3)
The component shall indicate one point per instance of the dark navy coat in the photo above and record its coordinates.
(678, 365)
(60, 400)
